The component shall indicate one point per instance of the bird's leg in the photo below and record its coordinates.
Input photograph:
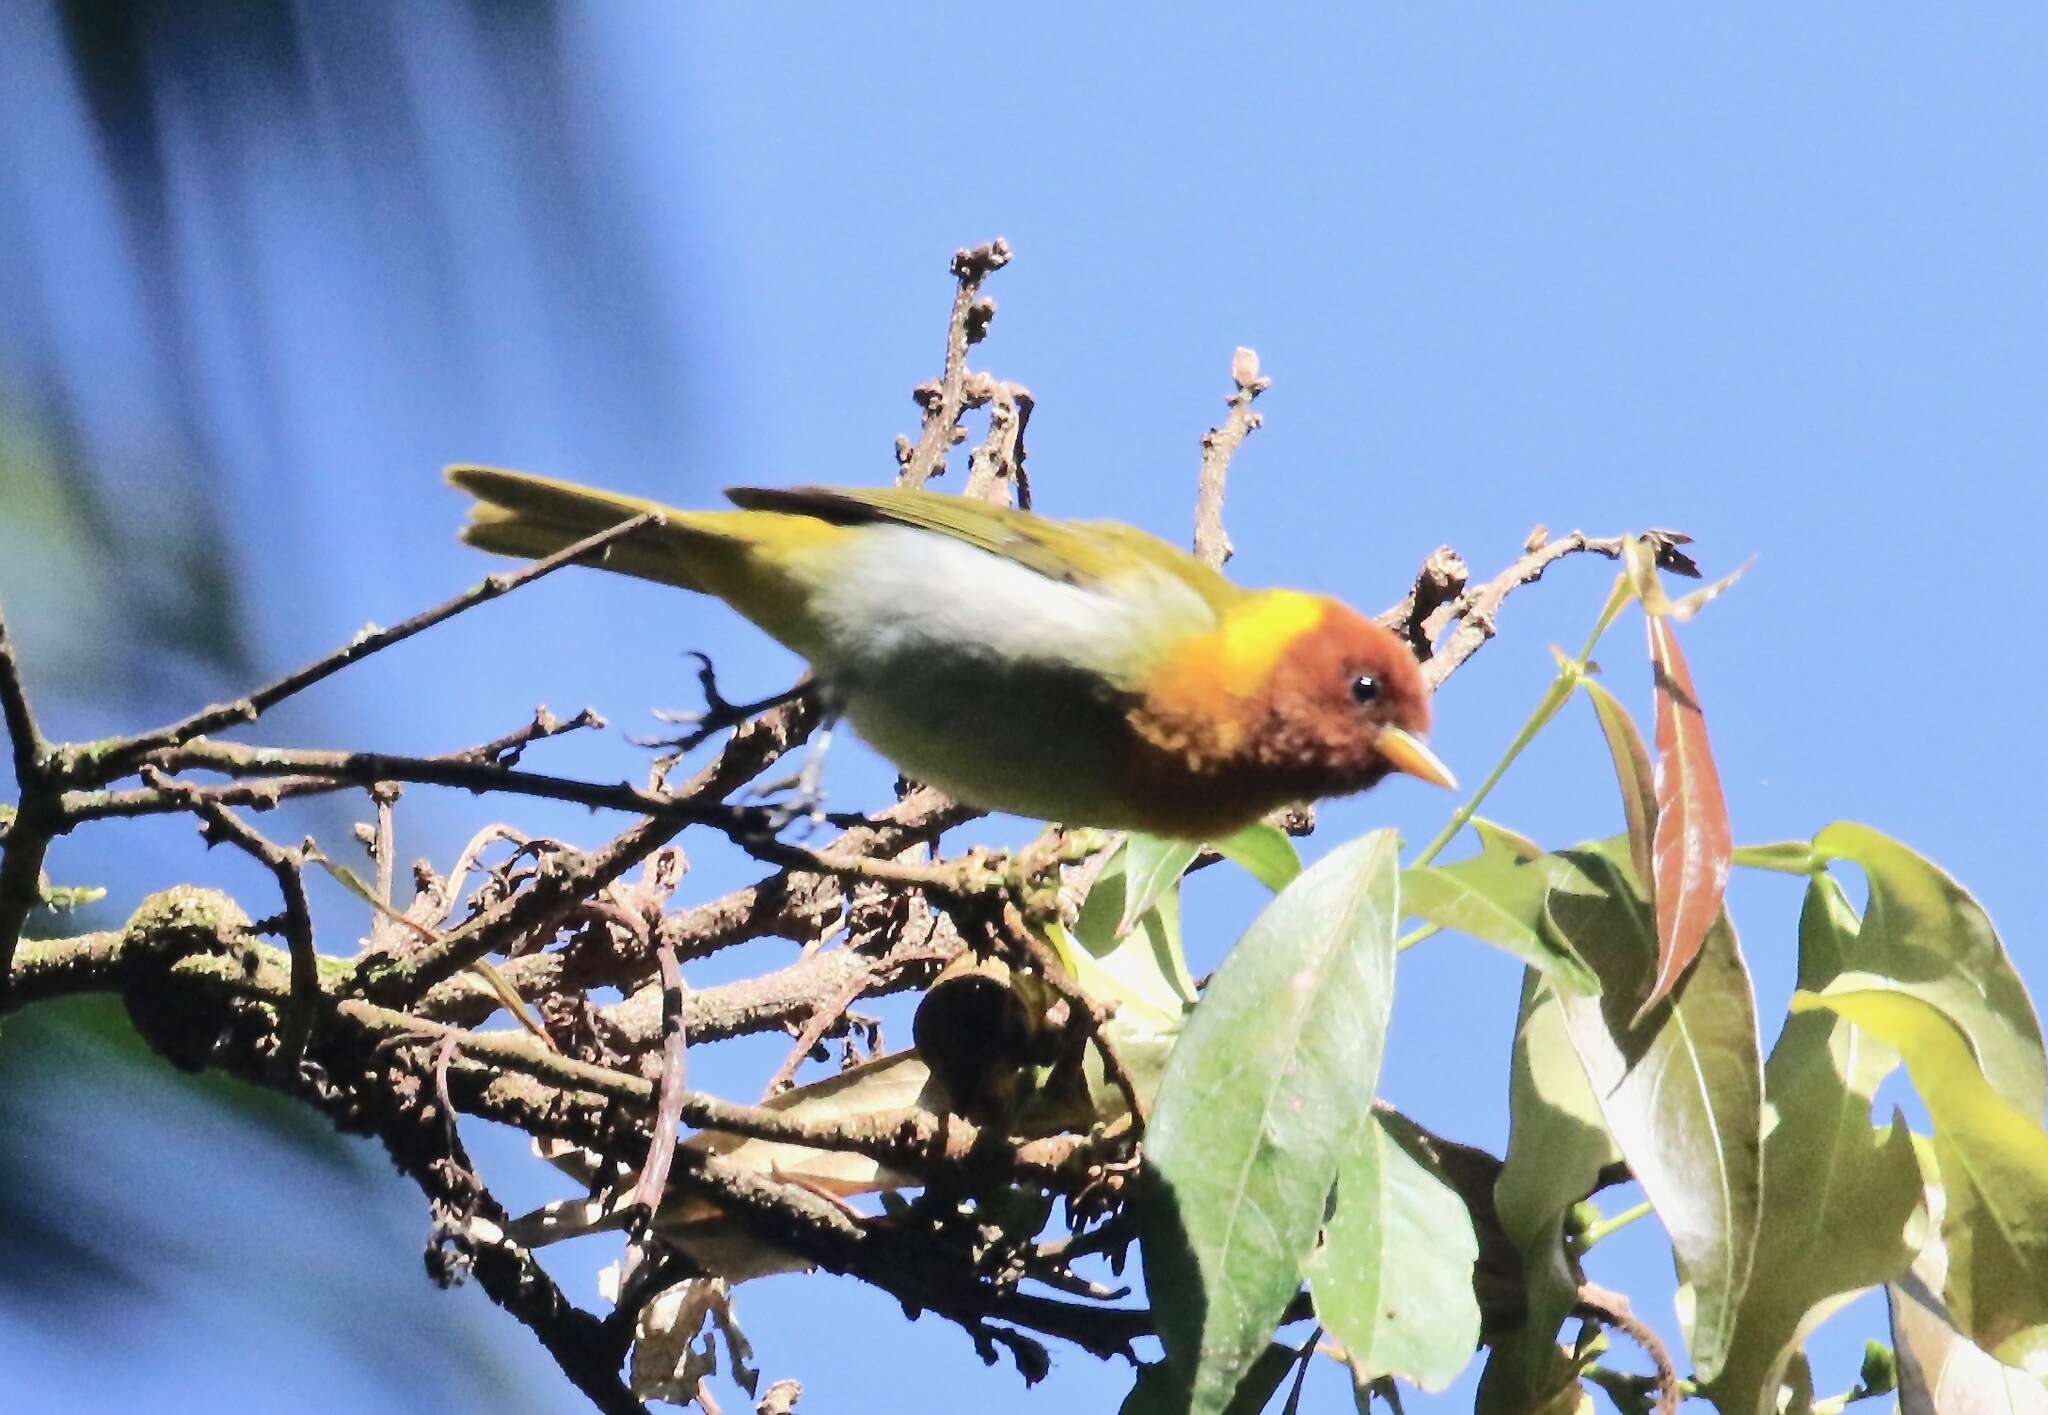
(718, 713)
(805, 798)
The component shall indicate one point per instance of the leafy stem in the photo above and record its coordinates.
(1569, 672)
(1606, 1227)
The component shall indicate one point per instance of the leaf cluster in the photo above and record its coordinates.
(1276, 1192)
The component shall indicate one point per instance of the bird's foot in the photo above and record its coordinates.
(802, 796)
(787, 802)
(719, 712)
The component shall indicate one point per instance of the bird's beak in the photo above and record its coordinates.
(1404, 752)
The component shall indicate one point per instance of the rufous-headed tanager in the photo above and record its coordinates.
(1082, 672)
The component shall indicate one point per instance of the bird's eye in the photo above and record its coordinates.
(1365, 689)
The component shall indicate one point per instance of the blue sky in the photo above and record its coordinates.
(1771, 277)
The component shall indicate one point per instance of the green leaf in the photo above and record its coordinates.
(1681, 1089)
(1264, 852)
(1993, 1162)
(1785, 857)
(1155, 1392)
(1262, 1098)
(1631, 772)
(1926, 934)
(1393, 1277)
(1557, 1144)
(1842, 1201)
(1152, 870)
(1499, 839)
(1939, 1371)
(1498, 900)
(1142, 965)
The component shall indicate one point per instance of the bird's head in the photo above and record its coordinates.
(1293, 697)
(1345, 704)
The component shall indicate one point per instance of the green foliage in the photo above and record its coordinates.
(1392, 1280)
(1681, 1091)
(1497, 898)
(1264, 852)
(1637, 1041)
(1841, 1199)
(1557, 1144)
(1991, 1160)
(1259, 1109)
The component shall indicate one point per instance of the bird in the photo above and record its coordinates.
(1083, 672)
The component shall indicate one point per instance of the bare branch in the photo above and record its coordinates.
(823, 1018)
(25, 737)
(946, 401)
(995, 470)
(107, 762)
(1475, 610)
(1440, 581)
(1612, 1309)
(461, 769)
(1219, 445)
(668, 1110)
(26, 831)
(404, 978)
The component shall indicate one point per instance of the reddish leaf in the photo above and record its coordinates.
(1693, 843)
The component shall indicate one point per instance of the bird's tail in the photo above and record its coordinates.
(525, 515)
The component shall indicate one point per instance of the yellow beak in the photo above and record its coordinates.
(1404, 752)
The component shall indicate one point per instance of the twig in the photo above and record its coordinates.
(1442, 595)
(1439, 582)
(296, 1023)
(496, 755)
(821, 1021)
(1219, 445)
(945, 402)
(1092, 1015)
(29, 748)
(1612, 1309)
(995, 469)
(406, 977)
(458, 770)
(1303, 1356)
(668, 1107)
(102, 763)
(25, 836)
(429, 1153)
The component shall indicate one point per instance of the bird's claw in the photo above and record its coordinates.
(790, 799)
(797, 806)
(719, 713)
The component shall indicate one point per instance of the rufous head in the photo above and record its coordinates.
(1345, 705)
(1293, 697)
